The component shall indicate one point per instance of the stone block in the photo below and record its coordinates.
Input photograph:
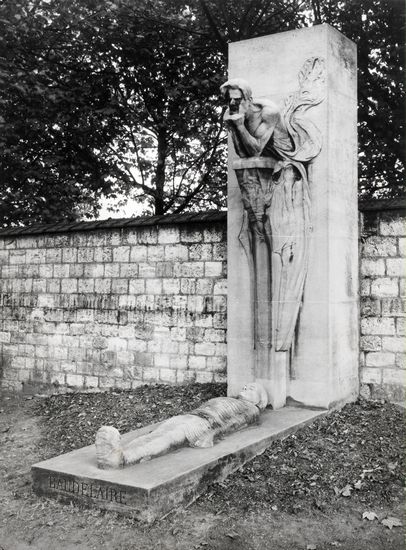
(392, 223)
(400, 326)
(121, 254)
(197, 362)
(188, 285)
(204, 377)
(128, 271)
(371, 343)
(146, 270)
(217, 364)
(373, 267)
(201, 252)
(384, 286)
(379, 246)
(155, 253)
(370, 307)
(220, 251)
(97, 271)
(170, 286)
(379, 359)
(214, 234)
(190, 269)
(137, 286)
(204, 321)
(178, 361)
(76, 380)
(220, 287)
(91, 381)
(215, 335)
(52, 286)
(371, 375)
(195, 304)
(103, 254)
(176, 252)
(168, 235)
(86, 286)
(394, 376)
(138, 253)
(85, 255)
(213, 269)
(378, 325)
(167, 375)
(395, 267)
(119, 286)
(190, 235)
(147, 235)
(150, 374)
(204, 286)
(137, 345)
(393, 344)
(161, 360)
(205, 348)
(401, 360)
(18, 257)
(102, 286)
(164, 269)
(402, 246)
(393, 307)
(365, 287)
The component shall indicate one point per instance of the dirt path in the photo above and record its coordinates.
(29, 522)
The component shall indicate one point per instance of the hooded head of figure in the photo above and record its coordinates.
(255, 393)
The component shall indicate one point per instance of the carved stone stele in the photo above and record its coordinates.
(276, 146)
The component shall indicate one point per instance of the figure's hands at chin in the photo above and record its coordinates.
(236, 119)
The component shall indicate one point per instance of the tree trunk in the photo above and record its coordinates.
(160, 172)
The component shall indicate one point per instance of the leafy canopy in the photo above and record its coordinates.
(101, 97)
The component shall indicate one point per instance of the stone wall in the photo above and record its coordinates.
(94, 305)
(382, 301)
(124, 302)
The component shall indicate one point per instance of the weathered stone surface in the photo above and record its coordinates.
(151, 489)
(325, 358)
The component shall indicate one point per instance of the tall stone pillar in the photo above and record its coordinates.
(293, 216)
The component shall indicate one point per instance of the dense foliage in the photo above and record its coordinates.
(101, 97)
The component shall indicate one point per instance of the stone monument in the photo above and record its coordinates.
(292, 284)
(292, 229)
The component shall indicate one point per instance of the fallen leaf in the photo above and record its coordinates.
(369, 515)
(311, 547)
(346, 491)
(391, 522)
(358, 485)
(392, 466)
(232, 535)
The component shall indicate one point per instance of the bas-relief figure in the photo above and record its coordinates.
(276, 146)
(199, 428)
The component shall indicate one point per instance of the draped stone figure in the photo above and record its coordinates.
(275, 146)
(199, 428)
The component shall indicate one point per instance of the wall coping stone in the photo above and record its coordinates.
(368, 205)
(209, 216)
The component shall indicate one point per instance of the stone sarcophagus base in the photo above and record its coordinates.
(150, 490)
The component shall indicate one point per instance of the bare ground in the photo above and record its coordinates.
(308, 491)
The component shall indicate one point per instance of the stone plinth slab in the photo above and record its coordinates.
(149, 490)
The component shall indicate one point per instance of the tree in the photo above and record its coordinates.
(107, 96)
(99, 98)
(377, 27)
